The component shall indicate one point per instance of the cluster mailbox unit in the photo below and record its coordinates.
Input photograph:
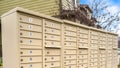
(34, 40)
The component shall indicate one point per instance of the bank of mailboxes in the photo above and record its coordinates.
(33, 40)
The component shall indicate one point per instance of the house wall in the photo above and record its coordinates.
(48, 7)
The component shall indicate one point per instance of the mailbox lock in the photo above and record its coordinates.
(21, 41)
(21, 66)
(52, 64)
(20, 18)
(21, 26)
(52, 58)
(21, 52)
(47, 52)
(21, 59)
(30, 59)
(21, 33)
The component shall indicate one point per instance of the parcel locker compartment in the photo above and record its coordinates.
(69, 33)
(52, 43)
(51, 52)
(27, 42)
(83, 65)
(52, 31)
(30, 52)
(70, 39)
(83, 61)
(53, 65)
(82, 45)
(83, 36)
(52, 58)
(53, 24)
(70, 66)
(70, 28)
(28, 34)
(70, 44)
(94, 33)
(52, 37)
(70, 62)
(94, 37)
(31, 59)
(93, 60)
(30, 19)
(24, 26)
(32, 65)
(70, 51)
(83, 31)
(83, 51)
(82, 56)
(83, 40)
(70, 57)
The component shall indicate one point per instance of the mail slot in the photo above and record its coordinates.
(83, 36)
(83, 57)
(83, 31)
(52, 65)
(30, 59)
(52, 58)
(70, 66)
(34, 42)
(82, 51)
(83, 45)
(70, 44)
(94, 41)
(52, 24)
(70, 28)
(32, 65)
(30, 52)
(52, 43)
(94, 37)
(83, 40)
(70, 57)
(30, 27)
(94, 33)
(52, 37)
(70, 39)
(28, 34)
(52, 52)
(30, 19)
(70, 33)
(70, 62)
(52, 31)
(70, 51)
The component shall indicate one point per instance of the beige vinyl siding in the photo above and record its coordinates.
(49, 7)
